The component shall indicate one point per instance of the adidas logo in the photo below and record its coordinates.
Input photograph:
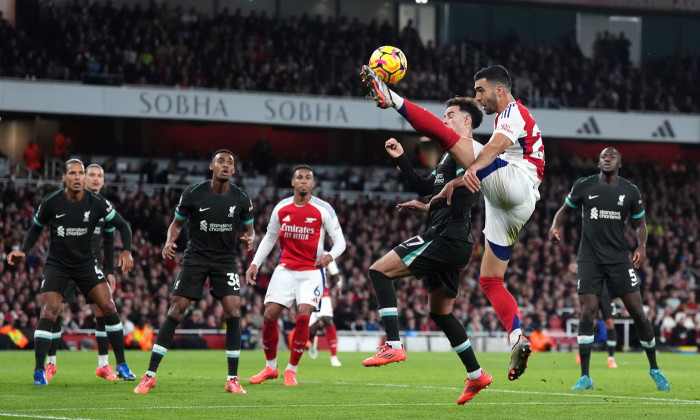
(589, 127)
(287, 219)
(664, 130)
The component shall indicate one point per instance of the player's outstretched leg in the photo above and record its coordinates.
(519, 354)
(378, 90)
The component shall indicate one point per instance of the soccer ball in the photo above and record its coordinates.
(389, 63)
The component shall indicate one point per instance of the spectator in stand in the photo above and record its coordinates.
(62, 145)
(33, 156)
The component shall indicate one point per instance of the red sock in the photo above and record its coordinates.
(270, 337)
(332, 337)
(299, 339)
(427, 123)
(502, 301)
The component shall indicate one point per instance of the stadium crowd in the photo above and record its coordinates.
(539, 274)
(171, 46)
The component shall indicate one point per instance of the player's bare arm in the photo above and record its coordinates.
(248, 237)
(558, 221)
(126, 261)
(449, 189)
(323, 261)
(640, 254)
(414, 206)
(251, 274)
(497, 145)
(15, 257)
(173, 233)
(393, 148)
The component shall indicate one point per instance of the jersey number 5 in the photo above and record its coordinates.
(235, 282)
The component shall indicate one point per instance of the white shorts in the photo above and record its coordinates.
(509, 196)
(326, 310)
(288, 285)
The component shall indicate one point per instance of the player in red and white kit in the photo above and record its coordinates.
(508, 170)
(300, 223)
(323, 318)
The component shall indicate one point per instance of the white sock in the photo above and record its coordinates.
(475, 375)
(229, 377)
(51, 359)
(395, 344)
(272, 364)
(514, 336)
(398, 100)
(102, 360)
(151, 374)
(291, 367)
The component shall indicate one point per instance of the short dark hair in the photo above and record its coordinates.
(469, 105)
(69, 161)
(222, 151)
(496, 73)
(296, 168)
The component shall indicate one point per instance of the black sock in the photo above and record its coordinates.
(457, 335)
(101, 336)
(115, 335)
(612, 341)
(163, 342)
(646, 337)
(233, 344)
(55, 336)
(42, 341)
(386, 297)
(585, 343)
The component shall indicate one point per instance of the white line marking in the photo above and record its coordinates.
(34, 416)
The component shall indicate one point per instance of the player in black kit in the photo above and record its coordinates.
(438, 254)
(72, 214)
(215, 210)
(103, 234)
(608, 201)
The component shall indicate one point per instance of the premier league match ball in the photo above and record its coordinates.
(389, 63)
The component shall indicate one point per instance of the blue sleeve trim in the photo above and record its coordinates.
(36, 222)
(110, 216)
(109, 229)
(570, 204)
(247, 222)
(179, 216)
(638, 215)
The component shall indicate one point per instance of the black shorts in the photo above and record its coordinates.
(71, 294)
(620, 279)
(436, 258)
(223, 280)
(606, 305)
(62, 280)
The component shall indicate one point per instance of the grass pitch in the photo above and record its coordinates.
(191, 386)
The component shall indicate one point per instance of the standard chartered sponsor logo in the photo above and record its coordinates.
(605, 214)
(215, 227)
(61, 231)
(220, 227)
